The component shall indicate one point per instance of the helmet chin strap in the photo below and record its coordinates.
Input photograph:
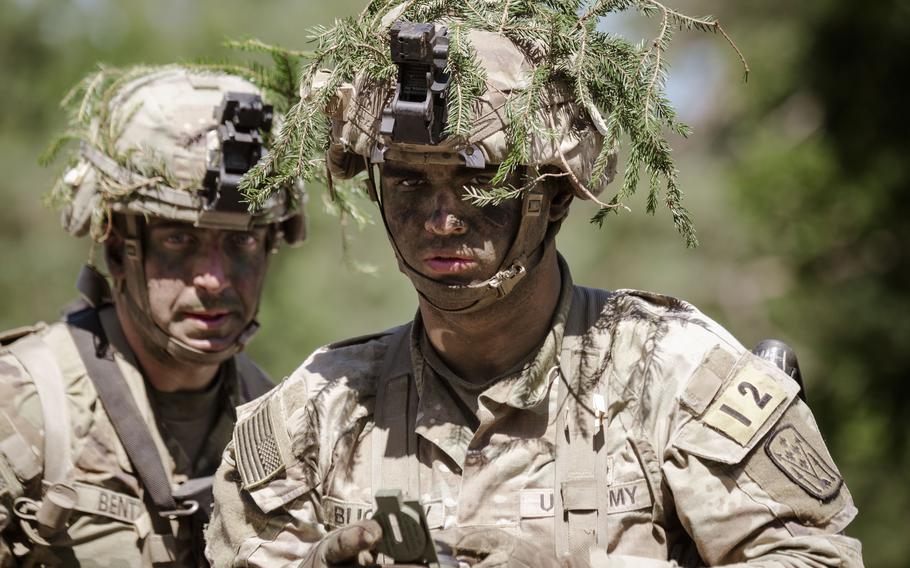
(133, 292)
(534, 234)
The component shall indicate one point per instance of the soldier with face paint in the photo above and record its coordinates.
(535, 422)
(113, 420)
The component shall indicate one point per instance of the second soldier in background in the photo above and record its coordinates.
(113, 420)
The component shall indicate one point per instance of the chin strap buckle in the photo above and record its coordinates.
(504, 280)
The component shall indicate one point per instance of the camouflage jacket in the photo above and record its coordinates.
(641, 430)
(111, 523)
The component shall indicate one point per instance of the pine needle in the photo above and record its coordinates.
(621, 86)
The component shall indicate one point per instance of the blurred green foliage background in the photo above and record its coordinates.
(797, 181)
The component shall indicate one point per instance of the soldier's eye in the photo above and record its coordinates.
(481, 180)
(245, 240)
(410, 182)
(178, 239)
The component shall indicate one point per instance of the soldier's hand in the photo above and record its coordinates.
(349, 545)
(491, 548)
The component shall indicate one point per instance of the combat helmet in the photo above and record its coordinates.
(406, 120)
(169, 142)
(534, 85)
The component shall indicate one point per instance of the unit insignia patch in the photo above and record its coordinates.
(799, 461)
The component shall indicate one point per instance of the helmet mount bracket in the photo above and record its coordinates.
(418, 111)
(233, 148)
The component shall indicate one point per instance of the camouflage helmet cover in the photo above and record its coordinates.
(570, 139)
(149, 155)
(564, 137)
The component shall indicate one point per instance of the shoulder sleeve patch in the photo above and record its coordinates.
(795, 456)
(732, 411)
(262, 445)
(748, 400)
(793, 466)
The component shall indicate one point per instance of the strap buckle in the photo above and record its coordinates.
(504, 280)
(186, 508)
(534, 202)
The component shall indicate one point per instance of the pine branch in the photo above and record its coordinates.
(523, 113)
(468, 81)
(497, 195)
(253, 45)
(50, 154)
(493, 196)
(620, 85)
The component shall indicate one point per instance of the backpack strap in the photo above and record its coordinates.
(113, 390)
(581, 459)
(40, 363)
(394, 441)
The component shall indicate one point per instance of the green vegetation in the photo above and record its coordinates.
(797, 180)
(823, 179)
(620, 84)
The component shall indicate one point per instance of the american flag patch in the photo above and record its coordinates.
(260, 442)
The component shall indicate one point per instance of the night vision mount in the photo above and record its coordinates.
(234, 148)
(417, 114)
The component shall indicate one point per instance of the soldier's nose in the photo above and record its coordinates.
(210, 274)
(209, 282)
(444, 223)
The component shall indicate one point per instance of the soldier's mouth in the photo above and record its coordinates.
(208, 318)
(447, 265)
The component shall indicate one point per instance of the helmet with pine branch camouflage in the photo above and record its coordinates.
(147, 138)
(167, 142)
(513, 113)
(516, 113)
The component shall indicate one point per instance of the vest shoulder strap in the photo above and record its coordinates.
(581, 461)
(40, 363)
(121, 408)
(394, 441)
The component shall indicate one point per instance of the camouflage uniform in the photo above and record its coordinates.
(681, 479)
(70, 491)
(639, 431)
(111, 522)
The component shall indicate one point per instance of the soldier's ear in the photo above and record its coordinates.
(562, 195)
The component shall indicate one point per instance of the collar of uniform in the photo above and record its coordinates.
(438, 419)
(526, 385)
(526, 388)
